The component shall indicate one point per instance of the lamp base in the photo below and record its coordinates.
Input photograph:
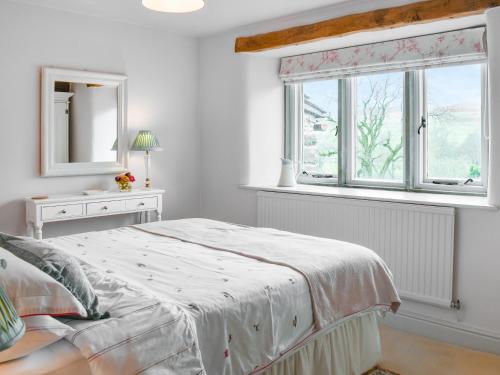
(147, 164)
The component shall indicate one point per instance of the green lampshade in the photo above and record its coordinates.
(11, 325)
(146, 141)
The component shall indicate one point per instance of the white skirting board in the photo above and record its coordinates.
(415, 241)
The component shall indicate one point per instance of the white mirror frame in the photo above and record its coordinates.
(49, 167)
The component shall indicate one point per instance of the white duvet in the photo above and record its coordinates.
(171, 299)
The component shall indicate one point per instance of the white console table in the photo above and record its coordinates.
(78, 206)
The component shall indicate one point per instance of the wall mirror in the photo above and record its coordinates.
(83, 123)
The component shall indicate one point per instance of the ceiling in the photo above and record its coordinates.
(216, 16)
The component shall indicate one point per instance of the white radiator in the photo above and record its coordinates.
(415, 241)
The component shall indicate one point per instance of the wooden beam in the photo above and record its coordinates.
(419, 12)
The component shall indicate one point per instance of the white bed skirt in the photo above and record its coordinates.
(350, 348)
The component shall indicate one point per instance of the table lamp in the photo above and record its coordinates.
(146, 141)
(11, 325)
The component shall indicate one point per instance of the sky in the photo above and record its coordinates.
(448, 86)
(455, 86)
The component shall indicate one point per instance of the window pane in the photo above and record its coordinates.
(379, 127)
(320, 121)
(454, 122)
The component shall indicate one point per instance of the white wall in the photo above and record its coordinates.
(241, 117)
(163, 93)
(241, 113)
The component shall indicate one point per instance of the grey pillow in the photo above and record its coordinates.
(60, 266)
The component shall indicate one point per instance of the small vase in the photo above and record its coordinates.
(124, 186)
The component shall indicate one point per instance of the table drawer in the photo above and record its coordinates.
(62, 212)
(149, 203)
(105, 207)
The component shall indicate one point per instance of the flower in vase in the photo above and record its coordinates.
(124, 181)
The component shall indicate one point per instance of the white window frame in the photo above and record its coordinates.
(414, 109)
(420, 165)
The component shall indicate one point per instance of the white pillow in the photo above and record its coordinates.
(33, 292)
(41, 331)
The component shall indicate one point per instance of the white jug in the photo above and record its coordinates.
(287, 177)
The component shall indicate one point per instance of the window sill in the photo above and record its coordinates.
(429, 199)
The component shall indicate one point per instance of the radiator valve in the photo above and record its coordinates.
(455, 305)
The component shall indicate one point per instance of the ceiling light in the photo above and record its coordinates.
(174, 6)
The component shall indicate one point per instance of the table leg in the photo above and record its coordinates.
(38, 231)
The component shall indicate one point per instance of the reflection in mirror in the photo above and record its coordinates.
(85, 122)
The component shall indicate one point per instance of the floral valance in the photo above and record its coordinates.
(403, 54)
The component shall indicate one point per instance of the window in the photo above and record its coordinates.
(379, 127)
(319, 145)
(452, 142)
(415, 130)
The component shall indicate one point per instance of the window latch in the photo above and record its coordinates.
(444, 182)
(450, 183)
(468, 181)
(423, 124)
(319, 175)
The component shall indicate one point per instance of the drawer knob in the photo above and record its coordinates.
(142, 204)
(105, 208)
(63, 212)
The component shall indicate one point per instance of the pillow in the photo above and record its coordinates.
(33, 292)
(60, 266)
(41, 331)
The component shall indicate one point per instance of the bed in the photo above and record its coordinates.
(199, 296)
